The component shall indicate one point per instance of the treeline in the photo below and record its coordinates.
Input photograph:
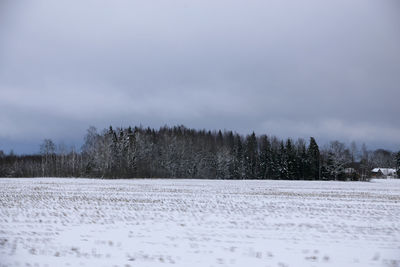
(179, 152)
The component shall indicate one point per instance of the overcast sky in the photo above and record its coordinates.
(328, 69)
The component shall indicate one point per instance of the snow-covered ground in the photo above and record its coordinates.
(84, 222)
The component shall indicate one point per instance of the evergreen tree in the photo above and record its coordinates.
(302, 159)
(230, 142)
(291, 160)
(131, 153)
(179, 152)
(251, 156)
(114, 155)
(238, 170)
(275, 168)
(313, 156)
(220, 140)
(283, 162)
(265, 158)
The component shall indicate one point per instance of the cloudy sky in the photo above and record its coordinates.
(329, 69)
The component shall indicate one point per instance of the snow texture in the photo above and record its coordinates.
(91, 222)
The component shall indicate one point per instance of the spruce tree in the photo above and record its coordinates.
(250, 156)
(302, 160)
(291, 160)
(283, 162)
(238, 158)
(265, 158)
(275, 168)
(313, 156)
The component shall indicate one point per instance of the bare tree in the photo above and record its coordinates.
(47, 150)
(337, 157)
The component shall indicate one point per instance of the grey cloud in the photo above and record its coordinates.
(329, 69)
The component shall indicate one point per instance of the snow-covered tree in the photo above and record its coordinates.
(337, 157)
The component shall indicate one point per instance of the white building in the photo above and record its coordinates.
(384, 173)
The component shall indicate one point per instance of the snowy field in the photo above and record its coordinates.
(83, 222)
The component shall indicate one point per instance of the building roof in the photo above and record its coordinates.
(385, 171)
